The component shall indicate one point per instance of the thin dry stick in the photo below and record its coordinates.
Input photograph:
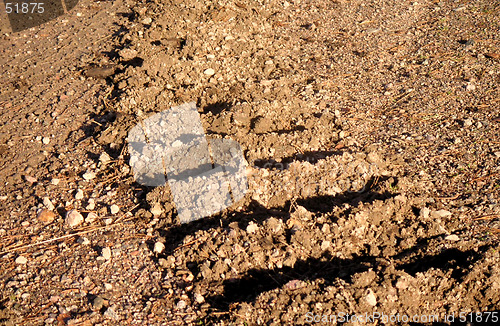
(102, 38)
(111, 179)
(484, 177)
(121, 217)
(188, 244)
(449, 198)
(487, 217)
(219, 313)
(402, 97)
(56, 239)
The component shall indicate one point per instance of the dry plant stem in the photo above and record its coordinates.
(485, 177)
(487, 217)
(57, 238)
(449, 198)
(188, 244)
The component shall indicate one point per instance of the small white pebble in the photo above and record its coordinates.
(106, 253)
(91, 217)
(177, 143)
(370, 298)
(89, 176)
(104, 158)
(181, 304)
(199, 298)
(47, 203)
(73, 218)
(45, 140)
(209, 72)
(79, 194)
(91, 205)
(442, 213)
(252, 227)
(156, 210)
(21, 260)
(30, 179)
(159, 247)
(114, 209)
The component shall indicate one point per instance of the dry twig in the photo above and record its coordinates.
(487, 217)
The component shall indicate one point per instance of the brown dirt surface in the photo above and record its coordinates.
(371, 133)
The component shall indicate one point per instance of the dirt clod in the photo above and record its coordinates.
(46, 216)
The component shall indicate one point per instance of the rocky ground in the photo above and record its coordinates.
(371, 132)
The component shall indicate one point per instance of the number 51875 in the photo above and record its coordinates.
(24, 8)
(479, 317)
